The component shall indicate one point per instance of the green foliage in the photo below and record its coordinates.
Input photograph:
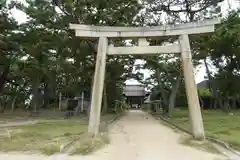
(167, 78)
(41, 57)
(204, 92)
(223, 47)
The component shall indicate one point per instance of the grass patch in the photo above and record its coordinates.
(217, 124)
(47, 137)
(13, 116)
(21, 115)
(201, 145)
(49, 149)
(40, 137)
(89, 144)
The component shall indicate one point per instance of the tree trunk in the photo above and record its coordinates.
(237, 102)
(173, 95)
(13, 103)
(3, 77)
(229, 104)
(224, 105)
(201, 102)
(212, 86)
(234, 103)
(2, 108)
(2, 104)
(35, 94)
(221, 104)
(46, 95)
(162, 90)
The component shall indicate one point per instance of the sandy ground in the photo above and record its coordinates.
(136, 136)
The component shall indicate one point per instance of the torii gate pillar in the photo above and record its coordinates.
(183, 47)
(98, 84)
(191, 89)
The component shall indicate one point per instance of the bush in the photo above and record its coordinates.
(204, 92)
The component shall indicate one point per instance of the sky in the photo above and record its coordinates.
(200, 71)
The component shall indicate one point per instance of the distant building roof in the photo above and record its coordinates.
(134, 90)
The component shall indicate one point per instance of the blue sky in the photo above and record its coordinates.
(200, 71)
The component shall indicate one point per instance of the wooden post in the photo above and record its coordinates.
(191, 89)
(13, 103)
(60, 101)
(96, 100)
(82, 102)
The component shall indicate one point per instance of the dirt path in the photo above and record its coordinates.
(137, 136)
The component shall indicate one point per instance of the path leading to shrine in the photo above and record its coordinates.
(136, 136)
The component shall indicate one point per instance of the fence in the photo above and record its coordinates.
(156, 106)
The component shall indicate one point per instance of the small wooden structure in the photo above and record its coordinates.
(135, 94)
(103, 33)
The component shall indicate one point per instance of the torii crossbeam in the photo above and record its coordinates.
(183, 47)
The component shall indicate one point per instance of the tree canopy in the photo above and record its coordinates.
(42, 57)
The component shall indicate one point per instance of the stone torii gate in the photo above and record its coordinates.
(102, 33)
